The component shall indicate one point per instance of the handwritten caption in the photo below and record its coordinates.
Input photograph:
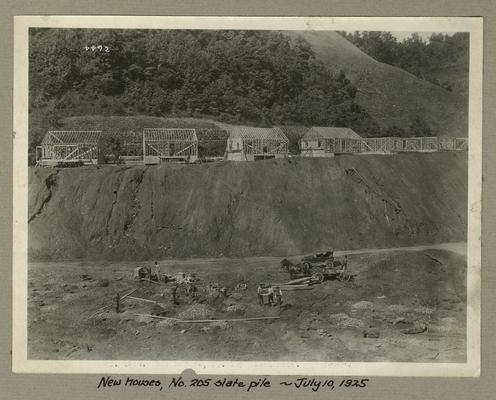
(249, 385)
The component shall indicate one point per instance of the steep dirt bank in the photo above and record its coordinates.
(274, 207)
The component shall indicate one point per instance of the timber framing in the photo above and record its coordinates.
(170, 144)
(68, 147)
(385, 145)
(249, 143)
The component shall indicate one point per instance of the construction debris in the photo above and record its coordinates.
(102, 309)
(371, 333)
(417, 328)
(147, 301)
(197, 312)
(179, 321)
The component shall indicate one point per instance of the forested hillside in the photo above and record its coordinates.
(253, 77)
(400, 102)
(442, 59)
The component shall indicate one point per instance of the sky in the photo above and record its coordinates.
(403, 35)
(400, 36)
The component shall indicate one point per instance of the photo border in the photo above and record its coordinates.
(21, 363)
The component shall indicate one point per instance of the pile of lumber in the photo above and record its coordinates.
(195, 321)
(297, 284)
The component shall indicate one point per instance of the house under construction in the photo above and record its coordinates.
(325, 141)
(328, 141)
(169, 144)
(68, 147)
(249, 144)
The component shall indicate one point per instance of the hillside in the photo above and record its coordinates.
(260, 78)
(390, 95)
(440, 58)
(274, 207)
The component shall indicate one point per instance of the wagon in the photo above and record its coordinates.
(318, 260)
(337, 271)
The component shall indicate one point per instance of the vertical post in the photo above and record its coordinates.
(144, 146)
(117, 303)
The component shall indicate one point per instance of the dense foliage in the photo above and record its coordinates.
(440, 59)
(253, 77)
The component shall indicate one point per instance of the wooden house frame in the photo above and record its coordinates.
(249, 143)
(316, 144)
(327, 141)
(169, 144)
(60, 147)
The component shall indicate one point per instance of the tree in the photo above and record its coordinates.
(419, 126)
(427, 59)
(394, 131)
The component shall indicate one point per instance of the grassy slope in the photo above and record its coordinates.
(130, 123)
(275, 207)
(391, 95)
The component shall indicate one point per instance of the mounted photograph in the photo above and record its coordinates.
(247, 195)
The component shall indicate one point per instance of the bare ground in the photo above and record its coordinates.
(393, 291)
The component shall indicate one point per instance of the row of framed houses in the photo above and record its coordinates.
(242, 143)
(329, 141)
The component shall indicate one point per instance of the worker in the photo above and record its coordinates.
(157, 271)
(277, 296)
(223, 291)
(194, 291)
(259, 294)
(117, 303)
(270, 294)
(191, 290)
(306, 268)
(174, 294)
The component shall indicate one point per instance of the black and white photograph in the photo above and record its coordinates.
(251, 193)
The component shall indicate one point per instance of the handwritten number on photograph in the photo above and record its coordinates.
(99, 48)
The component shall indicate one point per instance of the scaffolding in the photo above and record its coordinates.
(169, 144)
(453, 144)
(383, 145)
(66, 147)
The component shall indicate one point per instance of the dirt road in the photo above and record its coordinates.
(456, 247)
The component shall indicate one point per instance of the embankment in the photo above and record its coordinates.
(272, 207)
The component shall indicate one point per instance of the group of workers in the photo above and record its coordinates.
(269, 295)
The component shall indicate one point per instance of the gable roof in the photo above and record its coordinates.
(169, 134)
(252, 133)
(209, 134)
(330, 132)
(71, 137)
